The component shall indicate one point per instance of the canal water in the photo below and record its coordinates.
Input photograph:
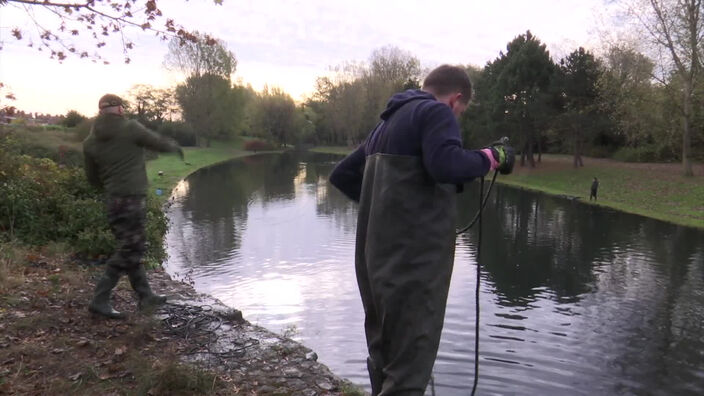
(575, 299)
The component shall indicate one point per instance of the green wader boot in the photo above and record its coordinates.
(140, 284)
(101, 299)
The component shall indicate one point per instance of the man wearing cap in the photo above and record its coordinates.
(114, 162)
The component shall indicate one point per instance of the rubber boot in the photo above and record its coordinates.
(101, 299)
(140, 284)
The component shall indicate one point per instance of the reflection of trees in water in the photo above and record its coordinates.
(216, 205)
(278, 177)
(676, 338)
(649, 306)
(534, 241)
(218, 197)
(330, 202)
(638, 283)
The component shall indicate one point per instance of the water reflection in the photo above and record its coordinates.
(575, 299)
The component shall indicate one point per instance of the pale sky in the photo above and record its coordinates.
(290, 43)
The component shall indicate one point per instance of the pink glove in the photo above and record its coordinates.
(493, 163)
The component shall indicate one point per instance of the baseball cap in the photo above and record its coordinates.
(109, 100)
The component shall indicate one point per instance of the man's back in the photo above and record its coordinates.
(114, 152)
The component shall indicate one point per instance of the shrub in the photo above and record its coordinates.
(180, 132)
(54, 127)
(646, 153)
(258, 145)
(72, 119)
(600, 151)
(83, 129)
(37, 142)
(41, 202)
(157, 225)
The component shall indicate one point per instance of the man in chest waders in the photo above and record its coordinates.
(114, 162)
(405, 177)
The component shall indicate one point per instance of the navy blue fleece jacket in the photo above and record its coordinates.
(414, 123)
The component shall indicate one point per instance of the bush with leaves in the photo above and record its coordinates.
(82, 130)
(36, 142)
(646, 153)
(258, 145)
(179, 131)
(41, 202)
(72, 119)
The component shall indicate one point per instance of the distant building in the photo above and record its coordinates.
(10, 115)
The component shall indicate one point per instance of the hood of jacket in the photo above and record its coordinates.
(401, 98)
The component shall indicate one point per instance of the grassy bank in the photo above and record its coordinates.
(174, 170)
(654, 190)
(333, 150)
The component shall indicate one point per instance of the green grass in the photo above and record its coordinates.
(333, 150)
(653, 190)
(48, 138)
(175, 170)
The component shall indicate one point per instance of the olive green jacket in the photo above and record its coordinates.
(114, 154)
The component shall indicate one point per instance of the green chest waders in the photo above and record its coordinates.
(404, 257)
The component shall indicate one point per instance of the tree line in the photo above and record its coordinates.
(624, 102)
(607, 106)
(583, 104)
(209, 105)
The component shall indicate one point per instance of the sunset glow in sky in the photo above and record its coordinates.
(290, 43)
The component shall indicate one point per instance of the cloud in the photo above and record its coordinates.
(289, 43)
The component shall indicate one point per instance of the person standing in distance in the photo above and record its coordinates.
(405, 177)
(114, 162)
(594, 188)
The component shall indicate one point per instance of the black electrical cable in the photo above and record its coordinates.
(199, 325)
(482, 203)
(476, 294)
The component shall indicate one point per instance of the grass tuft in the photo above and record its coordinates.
(172, 378)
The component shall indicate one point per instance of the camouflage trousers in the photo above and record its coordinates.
(127, 218)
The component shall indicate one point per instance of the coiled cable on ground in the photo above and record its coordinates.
(199, 325)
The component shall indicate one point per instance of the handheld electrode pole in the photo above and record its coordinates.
(482, 203)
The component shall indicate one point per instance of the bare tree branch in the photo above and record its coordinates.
(100, 18)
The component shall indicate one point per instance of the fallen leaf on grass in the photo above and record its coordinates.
(82, 343)
(120, 350)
